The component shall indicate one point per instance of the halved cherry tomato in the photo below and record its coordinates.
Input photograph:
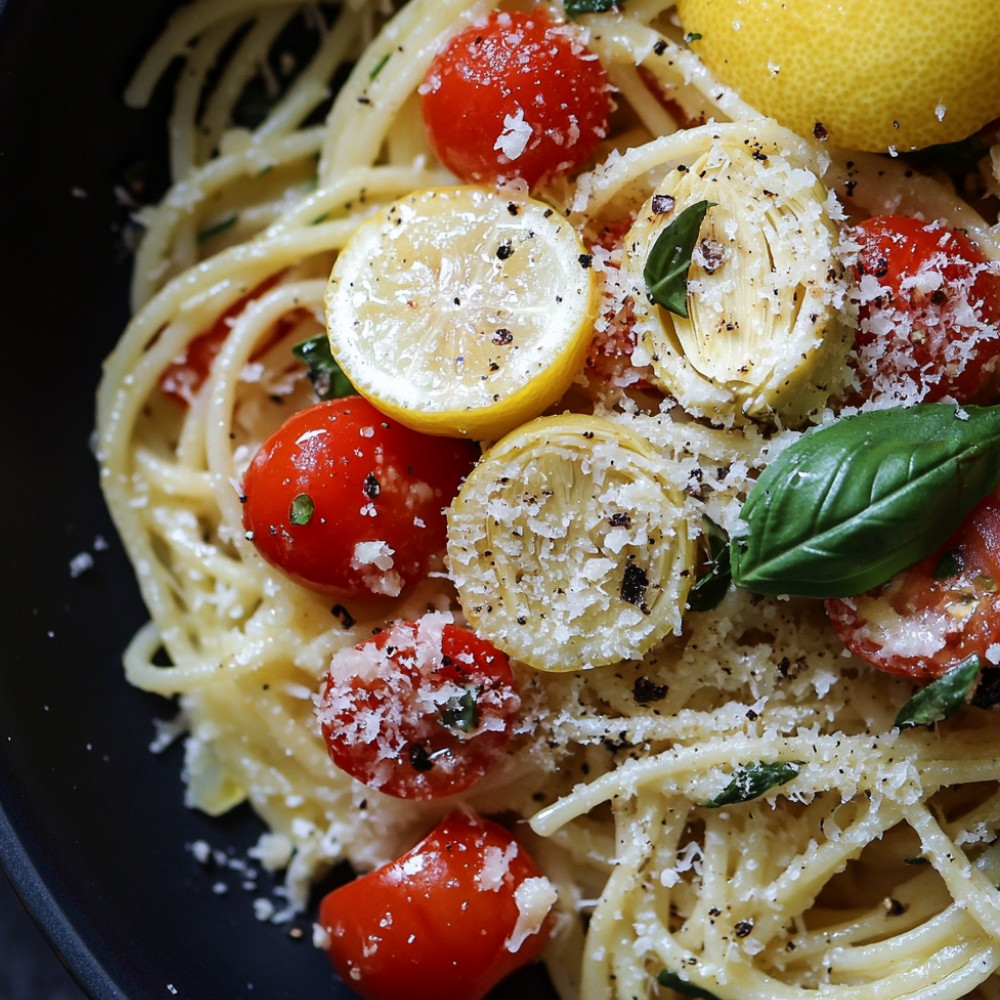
(939, 612)
(929, 313)
(515, 95)
(345, 500)
(182, 379)
(449, 919)
(421, 710)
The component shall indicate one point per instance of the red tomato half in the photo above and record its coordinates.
(515, 95)
(446, 921)
(421, 710)
(342, 499)
(939, 612)
(929, 313)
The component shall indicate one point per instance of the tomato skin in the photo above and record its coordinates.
(422, 709)
(375, 486)
(515, 96)
(929, 313)
(936, 614)
(182, 379)
(434, 923)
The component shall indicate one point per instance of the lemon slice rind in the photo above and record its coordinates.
(462, 310)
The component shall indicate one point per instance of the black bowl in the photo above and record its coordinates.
(93, 830)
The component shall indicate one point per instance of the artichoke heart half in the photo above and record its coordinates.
(569, 544)
(764, 338)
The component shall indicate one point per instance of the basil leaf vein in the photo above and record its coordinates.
(942, 698)
(851, 504)
(669, 260)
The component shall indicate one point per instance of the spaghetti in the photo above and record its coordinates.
(873, 872)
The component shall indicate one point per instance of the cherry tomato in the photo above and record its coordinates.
(421, 710)
(182, 379)
(452, 917)
(515, 95)
(939, 612)
(344, 500)
(929, 313)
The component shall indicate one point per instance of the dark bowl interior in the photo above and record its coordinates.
(93, 830)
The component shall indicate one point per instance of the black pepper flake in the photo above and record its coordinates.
(713, 254)
(663, 203)
(586, 259)
(645, 691)
(371, 487)
(634, 584)
(619, 519)
(820, 133)
(512, 208)
(504, 250)
(660, 47)
(420, 759)
(743, 928)
(502, 336)
(346, 619)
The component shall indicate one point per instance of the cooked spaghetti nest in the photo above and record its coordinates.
(872, 872)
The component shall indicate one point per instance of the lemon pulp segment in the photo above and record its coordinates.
(569, 545)
(462, 311)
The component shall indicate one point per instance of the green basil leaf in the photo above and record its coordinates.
(754, 780)
(713, 585)
(941, 698)
(851, 504)
(669, 260)
(674, 982)
(574, 8)
(327, 377)
(301, 510)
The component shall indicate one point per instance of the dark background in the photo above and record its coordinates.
(28, 968)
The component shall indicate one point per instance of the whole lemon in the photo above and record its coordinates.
(866, 74)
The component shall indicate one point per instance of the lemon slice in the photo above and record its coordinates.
(462, 311)
(569, 544)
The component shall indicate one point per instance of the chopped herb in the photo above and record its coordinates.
(302, 509)
(670, 259)
(713, 585)
(674, 982)
(949, 565)
(754, 780)
(379, 66)
(574, 8)
(327, 377)
(217, 229)
(941, 698)
(462, 711)
(692, 36)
